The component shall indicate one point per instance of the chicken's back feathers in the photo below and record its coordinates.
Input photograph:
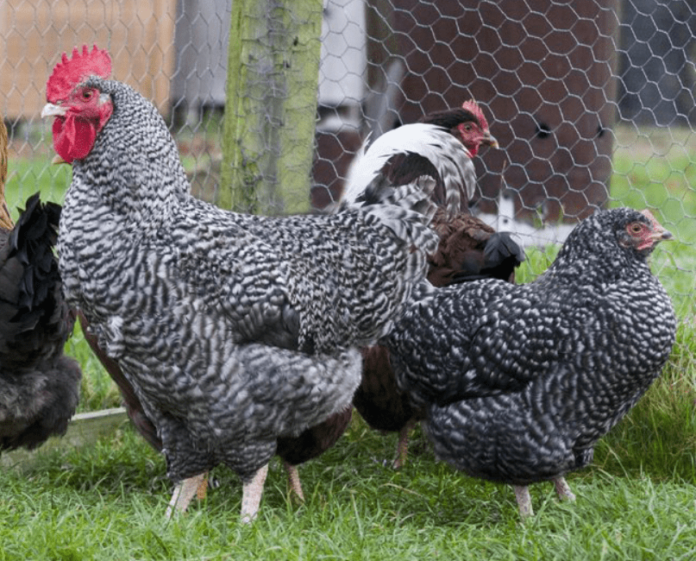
(39, 387)
(421, 149)
(469, 250)
(521, 381)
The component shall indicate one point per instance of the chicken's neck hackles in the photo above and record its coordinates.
(129, 163)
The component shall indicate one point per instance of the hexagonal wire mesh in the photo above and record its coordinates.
(592, 102)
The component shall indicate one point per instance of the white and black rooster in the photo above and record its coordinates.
(233, 330)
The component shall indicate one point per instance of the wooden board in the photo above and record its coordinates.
(139, 36)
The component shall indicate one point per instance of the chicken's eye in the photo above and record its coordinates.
(87, 94)
(467, 128)
(636, 228)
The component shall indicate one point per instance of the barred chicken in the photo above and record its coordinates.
(233, 330)
(441, 146)
(520, 382)
(39, 385)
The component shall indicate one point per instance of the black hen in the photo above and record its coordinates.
(39, 386)
(520, 382)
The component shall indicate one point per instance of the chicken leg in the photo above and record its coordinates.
(294, 484)
(563, 489)
(184, 492)
(251, 495)
(524, 501)
(402, 443)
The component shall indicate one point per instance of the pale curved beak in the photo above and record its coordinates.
(662, 236)
(490, 140)
(659, 234)
(53, 110)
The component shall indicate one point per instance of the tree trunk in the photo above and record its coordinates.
(270, 112)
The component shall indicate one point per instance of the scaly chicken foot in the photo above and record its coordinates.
(563, 489)
(251, 495)
(184, 492)
(402, 444)
(524, 500)
(294, 484)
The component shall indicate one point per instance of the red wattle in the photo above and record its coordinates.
(73, 138)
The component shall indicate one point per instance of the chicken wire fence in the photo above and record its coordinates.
(592, 102)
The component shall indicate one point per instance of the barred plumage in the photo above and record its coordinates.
(521, 381)
(233, 329)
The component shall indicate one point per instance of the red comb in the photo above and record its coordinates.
(473, 107)
(70, 72)
(649, 215)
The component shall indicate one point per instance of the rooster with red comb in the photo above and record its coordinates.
(233, 330)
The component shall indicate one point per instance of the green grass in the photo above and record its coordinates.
(636, 501)
(108, 503)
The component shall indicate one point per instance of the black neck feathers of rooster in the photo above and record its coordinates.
(449, 118)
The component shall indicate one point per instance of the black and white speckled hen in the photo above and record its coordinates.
(442, 146)
(521, 381)
(233, 329)
(39, 386)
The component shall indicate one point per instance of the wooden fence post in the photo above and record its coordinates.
(270, 111)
